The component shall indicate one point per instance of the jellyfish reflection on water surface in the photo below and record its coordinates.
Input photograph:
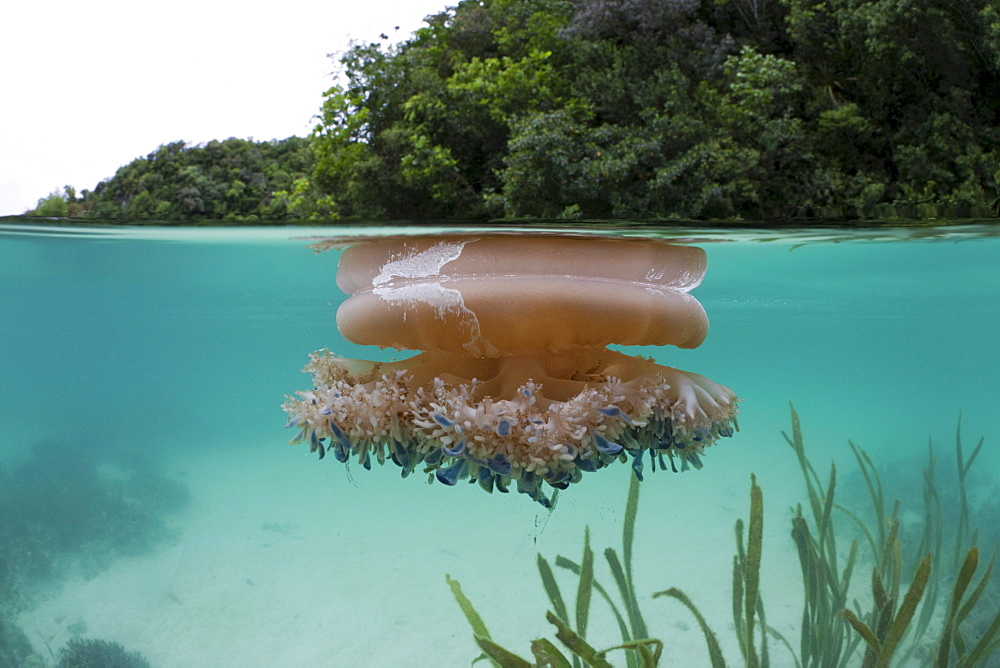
(515, 386)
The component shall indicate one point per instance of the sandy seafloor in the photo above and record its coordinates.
(281, 560)
(182, 349)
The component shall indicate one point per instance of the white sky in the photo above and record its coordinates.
(86, 87)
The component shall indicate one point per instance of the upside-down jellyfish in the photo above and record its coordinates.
(515, 386)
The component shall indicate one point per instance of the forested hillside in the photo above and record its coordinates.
(234, 179)
(703, 108)
(631, 108)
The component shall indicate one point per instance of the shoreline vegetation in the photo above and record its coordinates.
(704, 110)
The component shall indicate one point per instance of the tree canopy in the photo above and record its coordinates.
(694, 108)
(234, 179)
(733, 109)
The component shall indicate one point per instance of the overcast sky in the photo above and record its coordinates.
(86, 87)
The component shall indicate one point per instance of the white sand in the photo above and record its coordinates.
(281, 560)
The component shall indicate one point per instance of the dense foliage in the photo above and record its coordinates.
(235, 179)
(622, 108)
(639, 108)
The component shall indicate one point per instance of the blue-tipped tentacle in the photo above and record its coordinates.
(604, 445)
(341, 452)
(450, 475)
(486, 479)
(637, 464)
(455, 449)
(499, 464)
(501, 482)
(434, 457)
(339, 434)
(442, 420)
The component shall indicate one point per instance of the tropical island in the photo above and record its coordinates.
(704, 109)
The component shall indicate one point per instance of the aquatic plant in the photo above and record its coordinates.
(825, 637)
(890, 624)
(81, 653)
(748, 606)
(639, 649)
(70, 507)
(516, 388)
(571, 629)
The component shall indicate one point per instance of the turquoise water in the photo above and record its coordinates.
(170, 350)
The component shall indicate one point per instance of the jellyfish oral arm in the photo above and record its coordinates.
(514, 421)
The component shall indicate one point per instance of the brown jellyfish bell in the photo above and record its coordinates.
(515, 385)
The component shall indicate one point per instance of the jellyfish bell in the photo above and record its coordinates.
(515, 386)
(497, 296)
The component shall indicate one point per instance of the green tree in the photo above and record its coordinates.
(55, 205)
(232, 179)
(704, 108)
(913, 85)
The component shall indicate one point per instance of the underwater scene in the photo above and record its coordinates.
(402, 446)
